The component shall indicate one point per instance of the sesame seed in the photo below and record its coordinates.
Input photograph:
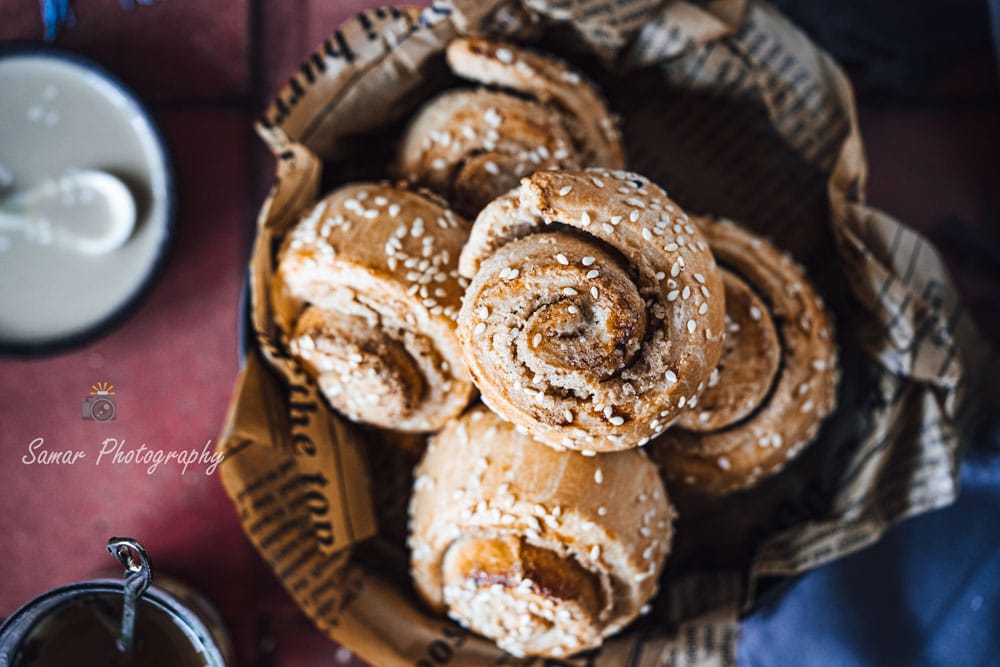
(393, 210)
(588, 452)
(608, 411)
(819, 365)
(671, 377)
(492, 168)
(536, 340)
(593, 273)
(672, 295)
(755, 313)
(607, 228)
(601, 511)
(700, 278)
(505, 56)
(483, 312)
(492, 118)
(704, 290)
(617, 421)
(565, 190)
(724, 463)
(615, 219)
(595, 552)
(598, 476)
(675, 269)
(594, 292)
(572, 310)
(587, 261)
(596, 181)
(439, 164)
(585, 219)
(681, 401)
(646, 235)
(633, 216)
(686, 292)
(561, 258)
(808, 406)
(568, 415)
(702, 309)
(569, 291)
(691, 326)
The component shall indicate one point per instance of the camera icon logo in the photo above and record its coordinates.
(100, 405)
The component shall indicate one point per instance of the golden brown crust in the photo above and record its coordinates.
(750, 359)
(367, 291)
(471, 146)
(545, 552)
(551, 82)
(596, 312)
(760, 424)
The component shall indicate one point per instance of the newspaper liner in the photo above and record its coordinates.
(733, 110)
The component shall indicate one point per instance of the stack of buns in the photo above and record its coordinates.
(619, 346)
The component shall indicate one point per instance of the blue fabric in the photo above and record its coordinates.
(57, 14)
(927, 594)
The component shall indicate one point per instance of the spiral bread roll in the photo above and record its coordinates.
(596, 311)
(545, 552)
(367, 292)
(472, 145)
(776, 380)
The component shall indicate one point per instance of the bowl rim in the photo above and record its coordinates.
(117, 316)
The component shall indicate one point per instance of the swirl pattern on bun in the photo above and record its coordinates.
(544, 552)
(367, 292)
(596, 311)
(776, 380)
(473, 145)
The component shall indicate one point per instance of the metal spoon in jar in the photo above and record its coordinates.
(138, 576)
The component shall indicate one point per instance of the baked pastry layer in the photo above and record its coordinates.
(776, 380)
(472, 145)
(544, 552)
(596, 311)
(367, 292)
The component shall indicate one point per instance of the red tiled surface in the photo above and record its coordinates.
(206, 66)
(930, 167)
(176, 49)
